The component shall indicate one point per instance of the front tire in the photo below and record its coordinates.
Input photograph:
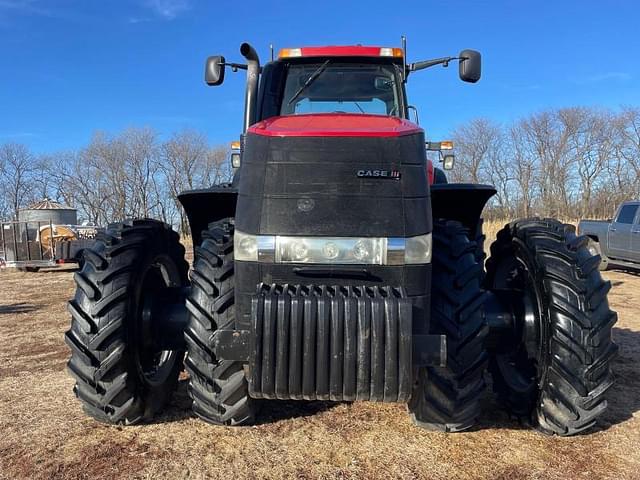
(558, 370)
(121, 377)
(448, 398)
(218, 388)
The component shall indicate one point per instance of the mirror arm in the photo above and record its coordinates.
(235, 66)
(412, 67)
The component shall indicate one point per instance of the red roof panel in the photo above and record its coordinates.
(334, 125)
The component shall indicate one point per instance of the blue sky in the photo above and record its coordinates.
(70, 67)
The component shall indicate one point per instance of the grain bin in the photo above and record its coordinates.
(49, 211)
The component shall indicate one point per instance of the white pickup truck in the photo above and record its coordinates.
(616, 241)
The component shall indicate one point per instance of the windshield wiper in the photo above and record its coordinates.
(309, 81)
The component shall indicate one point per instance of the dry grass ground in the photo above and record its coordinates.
(44, 434)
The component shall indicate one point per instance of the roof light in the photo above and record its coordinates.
(341, 51)
(390, 52)
(290, 52)
(439, 146)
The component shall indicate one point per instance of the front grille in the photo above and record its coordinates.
(331, 343)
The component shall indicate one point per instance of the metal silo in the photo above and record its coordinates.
(49, 211)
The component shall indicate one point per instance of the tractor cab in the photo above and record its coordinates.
(342, 80)
(336, 81)
(339, 82)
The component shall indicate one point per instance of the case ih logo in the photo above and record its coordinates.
(393, 174)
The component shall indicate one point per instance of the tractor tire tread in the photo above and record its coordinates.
(448, 398)
(100, 357)
(573, 393)
(218, 388)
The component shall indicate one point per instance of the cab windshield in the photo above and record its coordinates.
(338, 87)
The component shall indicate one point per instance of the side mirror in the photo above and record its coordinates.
(214, 71)
(469, 66)
(448, 161)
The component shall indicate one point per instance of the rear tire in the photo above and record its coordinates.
(218, 388)
(448, 398)
(120, 377)
(556, 375)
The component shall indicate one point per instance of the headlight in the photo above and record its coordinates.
(418, 249)
(254, 248)
(333, 250)
(339, 250)
(245, 247)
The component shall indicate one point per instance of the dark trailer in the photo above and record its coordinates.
(46, 234)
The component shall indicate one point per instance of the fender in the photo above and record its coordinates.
(208, 205)
(463, 202)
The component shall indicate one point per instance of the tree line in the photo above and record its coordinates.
(567, 163)
(131, 174)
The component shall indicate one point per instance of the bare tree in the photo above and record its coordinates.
(217, 168)
(16, 176)
(525, 166)
(627, 147)
(141, 165)
(500, 174)
(184, 161)
(548, 136)
(475, 144)
(592, 147)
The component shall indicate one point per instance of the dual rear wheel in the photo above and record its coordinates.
(124, 374)
(124, 364)
(557, 372)
(553, 368)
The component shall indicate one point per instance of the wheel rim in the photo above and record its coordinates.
(154, 364)
(522, 368)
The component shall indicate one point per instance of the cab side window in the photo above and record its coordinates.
(627, 214)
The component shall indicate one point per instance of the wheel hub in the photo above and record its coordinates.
(518, 345)
(530, 321)
(154, 361)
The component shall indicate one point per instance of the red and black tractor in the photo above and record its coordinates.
(332, 268)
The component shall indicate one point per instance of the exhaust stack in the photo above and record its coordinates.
(251, 94)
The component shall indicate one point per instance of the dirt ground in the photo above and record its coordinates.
(44, 434)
